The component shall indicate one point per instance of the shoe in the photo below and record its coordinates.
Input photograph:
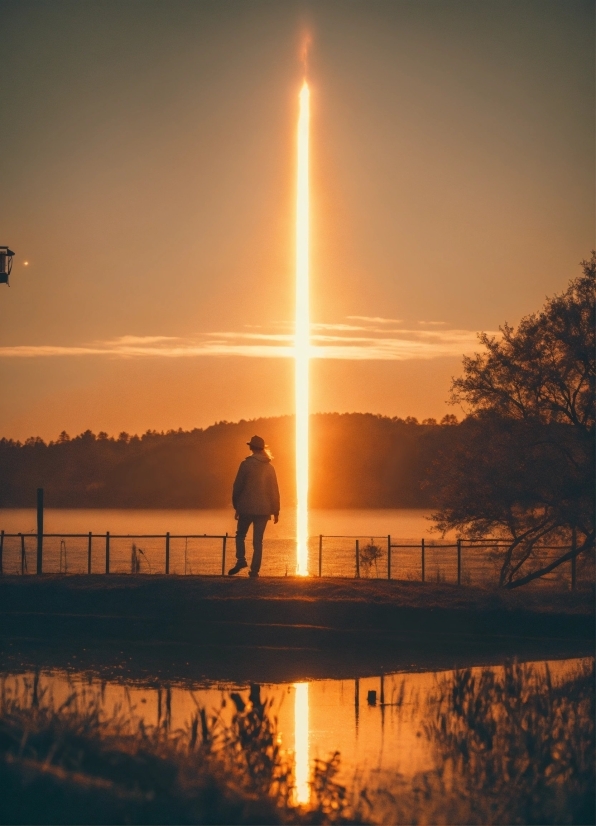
(253, 573)
(242, 563)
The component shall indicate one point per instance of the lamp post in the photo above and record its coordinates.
(6, 255)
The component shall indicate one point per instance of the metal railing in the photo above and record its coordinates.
(461, 562)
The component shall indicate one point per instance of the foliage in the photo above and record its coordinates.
(510, 746)
(514, 730)
(80, 767)
(521, 465)
(543, 371)
(330, 801)
(369, 556)
(252, 747)
(358, 460)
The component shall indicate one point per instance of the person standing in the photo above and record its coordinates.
(255, 497)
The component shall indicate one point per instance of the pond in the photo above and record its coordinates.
(375, 722)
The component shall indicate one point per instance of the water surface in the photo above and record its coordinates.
(190, 554)
(412, 523)
(316, 718)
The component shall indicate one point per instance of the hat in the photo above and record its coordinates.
(256, 443)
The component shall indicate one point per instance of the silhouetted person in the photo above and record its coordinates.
(255, 498)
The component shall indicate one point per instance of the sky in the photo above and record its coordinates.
(147, 160)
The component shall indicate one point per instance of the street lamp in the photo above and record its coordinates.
(5, 263)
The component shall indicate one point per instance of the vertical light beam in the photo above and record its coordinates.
(302, 333)
(301, 742)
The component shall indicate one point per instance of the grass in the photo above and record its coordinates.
(409, 593)
(509, 746)
(68, 764)
(512, 747)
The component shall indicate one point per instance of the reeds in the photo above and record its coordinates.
(510, 746)
(514, 747)
(68, 763)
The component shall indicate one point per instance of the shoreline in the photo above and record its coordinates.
(279, 629)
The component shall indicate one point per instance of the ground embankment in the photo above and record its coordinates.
(176, 607)
(188, 629)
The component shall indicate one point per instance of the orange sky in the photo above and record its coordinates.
(147, 167)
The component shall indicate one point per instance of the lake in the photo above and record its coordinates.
(404, 523)
(192, 554)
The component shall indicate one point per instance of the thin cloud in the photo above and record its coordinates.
(37, 350)
(139, 340)
(256, 336)
(346, 327)
(375, 319)
(328, 341)
(401, 346)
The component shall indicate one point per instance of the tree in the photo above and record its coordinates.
(522, 465)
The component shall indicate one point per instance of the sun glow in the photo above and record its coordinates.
(302, 333)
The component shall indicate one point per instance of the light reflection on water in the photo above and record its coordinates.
(315, 718)
(301, 732)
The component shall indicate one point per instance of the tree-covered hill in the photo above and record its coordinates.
(357, 461)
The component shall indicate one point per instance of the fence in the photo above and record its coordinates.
(462, 562)
(112, 553)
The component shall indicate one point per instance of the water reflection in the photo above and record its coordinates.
(301, 732)
(376, 723)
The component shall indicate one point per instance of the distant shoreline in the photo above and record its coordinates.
(357, 461)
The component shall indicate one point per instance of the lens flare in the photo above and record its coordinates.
(302, 334)
(301, 742)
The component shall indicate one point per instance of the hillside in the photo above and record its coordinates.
(357, 461)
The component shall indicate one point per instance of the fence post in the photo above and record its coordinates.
(39, 530)
(459, 561)
(223, 554)
(168, 552)
(107, 552)
(573, 559)
(422, 550)
(23, 555)
(320, 554)
(388, 556)
(1, 551)
(89, 552)
(357, 559)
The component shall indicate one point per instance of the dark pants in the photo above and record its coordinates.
(259, 523)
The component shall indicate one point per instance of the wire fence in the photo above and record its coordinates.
(462, 562)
